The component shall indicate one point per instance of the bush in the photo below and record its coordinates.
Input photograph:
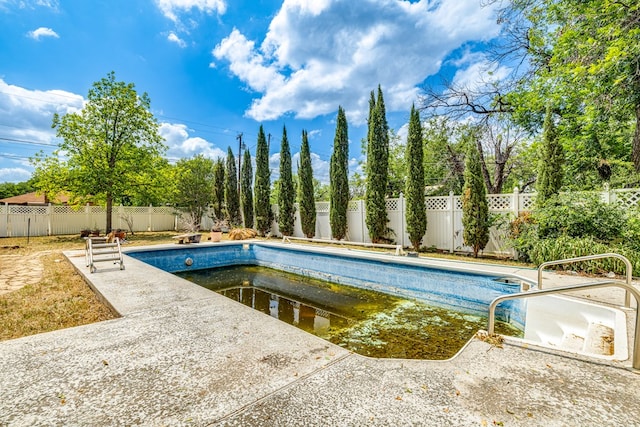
(580, 216)
(569, 227)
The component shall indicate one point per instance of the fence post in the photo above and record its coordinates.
(362, 220)
(403, 220)
(606, 194)
(49, 213)
(452, 221)
(516, 201)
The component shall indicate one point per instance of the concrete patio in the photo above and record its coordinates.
(183, 355)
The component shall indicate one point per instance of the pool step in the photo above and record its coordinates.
(598, 339)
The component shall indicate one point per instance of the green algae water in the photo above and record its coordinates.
(370, 323)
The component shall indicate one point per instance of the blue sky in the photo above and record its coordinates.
(217, 68)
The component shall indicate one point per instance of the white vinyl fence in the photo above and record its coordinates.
(444, 219)
(18, 220)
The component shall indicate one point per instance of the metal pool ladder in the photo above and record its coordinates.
(100, 249)
(627, 286)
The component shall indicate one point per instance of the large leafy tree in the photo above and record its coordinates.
(286, 195)
(377, 168)
(475, 208)
(231, 197)
(262, 186)
(339, 178)
(247, 190)
(110, 148)
(550, 163)
(194, 188)
(584, 58)
(414, 190)
(305, 189)
(218, 189)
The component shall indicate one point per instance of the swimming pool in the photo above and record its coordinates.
(551, 321)
(460, 289)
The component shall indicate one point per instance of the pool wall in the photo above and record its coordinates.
(458, 290)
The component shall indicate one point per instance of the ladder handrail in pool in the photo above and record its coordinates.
(635, 359)
(629, 269)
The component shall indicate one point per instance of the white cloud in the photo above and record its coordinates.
(14, 175)
(30, 112)
(181, 144)
(172, 37)
(42, 32)
(29, 4)
(479, 73)
(321, 54)
(170, 8)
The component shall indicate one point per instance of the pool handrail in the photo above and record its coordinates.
(629, 269)
(398, 248)
(635, 359)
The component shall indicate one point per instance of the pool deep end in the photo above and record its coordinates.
(452, 289)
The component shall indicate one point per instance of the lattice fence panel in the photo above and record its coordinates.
(66, 210)
(499, 202)
(627, 198)
(353, 206)
(437, 203)
(527, 201)
(392, 204)
(28, 210)
(457, 203)
(322, 206)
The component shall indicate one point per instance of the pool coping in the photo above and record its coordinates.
(182, 355)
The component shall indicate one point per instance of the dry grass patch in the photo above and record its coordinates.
(62, 299)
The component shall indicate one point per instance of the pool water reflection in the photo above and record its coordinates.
(367, 322)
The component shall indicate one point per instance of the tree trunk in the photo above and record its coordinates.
(635, 151)
(109, 211)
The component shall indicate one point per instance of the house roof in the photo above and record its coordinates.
(35, 199)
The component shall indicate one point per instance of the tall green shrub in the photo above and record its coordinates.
(305, 189)
(262, 186)
(377, 169)
(231, 199)
(475, 209)
(246, 190)
(218, 189)
(414, 189)
(339, 178)
(551, 161)
(286, 196)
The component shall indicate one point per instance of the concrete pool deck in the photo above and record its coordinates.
(183, 355)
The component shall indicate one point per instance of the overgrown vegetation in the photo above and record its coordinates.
(572, 225)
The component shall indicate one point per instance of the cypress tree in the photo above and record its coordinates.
(414, 190)
(305, 189)
(550, 165)
(246, 189)
(377, 169)
(286, 195)
(218, 189)
(339, 178)
(231, 199)
(262, 186)
(475, 208)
